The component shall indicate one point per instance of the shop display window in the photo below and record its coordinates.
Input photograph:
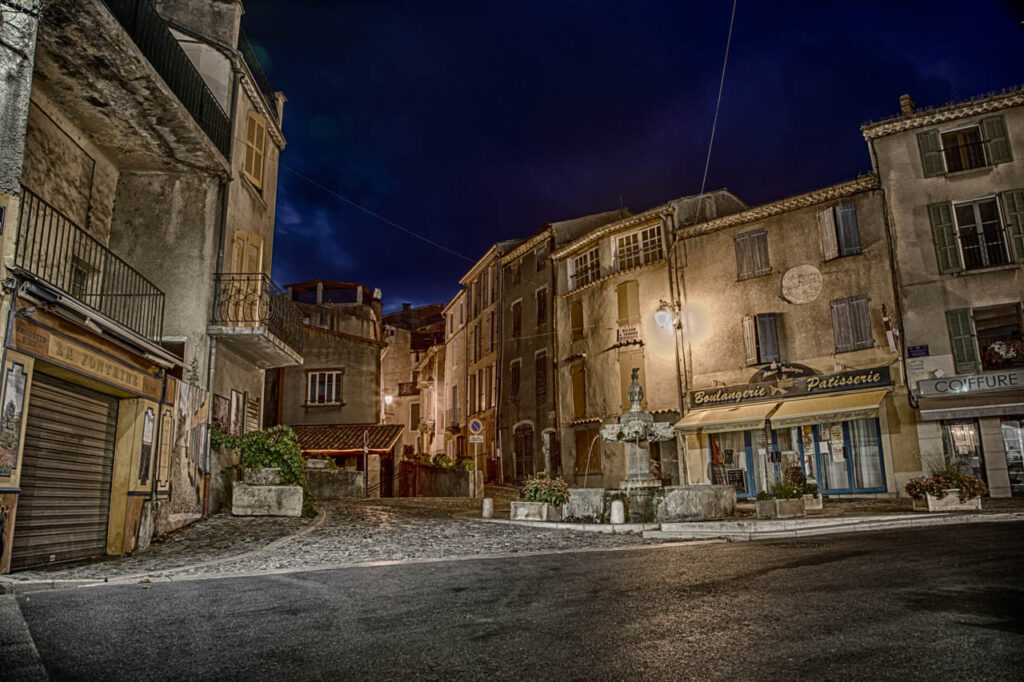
(1013, 445)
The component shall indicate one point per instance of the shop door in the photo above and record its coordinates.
(523, 443)
(848, 457)
(66, 473)
(961, 442)
(732, 461)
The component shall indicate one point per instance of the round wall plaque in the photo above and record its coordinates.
(801, 284)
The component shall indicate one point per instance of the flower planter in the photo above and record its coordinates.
(535, 511)
(813, 503)
(950, 501)
(269, 476)
(780, 509)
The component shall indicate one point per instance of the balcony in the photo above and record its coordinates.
(407, 388)
(54, 250)
(252, 60)
(255, 318)
(150, 33)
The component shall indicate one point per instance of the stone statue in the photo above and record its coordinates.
(636, 392)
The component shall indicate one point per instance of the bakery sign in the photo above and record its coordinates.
(973, 383)
(791, 388)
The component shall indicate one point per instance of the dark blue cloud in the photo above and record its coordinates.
(472, 122)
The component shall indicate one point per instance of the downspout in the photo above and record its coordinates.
(895, 273)
(211, 360)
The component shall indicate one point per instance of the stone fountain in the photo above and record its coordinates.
(646, 499)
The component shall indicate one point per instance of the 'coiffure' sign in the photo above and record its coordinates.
(972, 383)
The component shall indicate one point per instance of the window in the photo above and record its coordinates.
(472, 394)
(975, 146)
(455, 404)
(588, 451)
(639, 248)
(579, 390)
(484, 295)
(980, 232)
(541, 372)
(761, 338)
(542, 306)
(80, 270)
(494, 283)
(987, 338)
(323, 387)
(513, 381)
(586, 268)
(752, 254)
(629, 303)
(517, 272)
(576, 319)
(255, 148)
(976, 234)
(494, 332)
(517, 319)
(486, 386)
(414, 417)
(451, 324)
(840, 235)
(851, 323)
(541, 256)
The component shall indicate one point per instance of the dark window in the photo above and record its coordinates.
(414, 417)
(576, 318)
(752, 254)
(982, 238)
(851, 323)
(542, 306)
(541, 373)
(840, 235)
(517, 273)
(513, 383)
(579, 389)
(541, 255)
(517, 319)
(963, 149)
(761, 338)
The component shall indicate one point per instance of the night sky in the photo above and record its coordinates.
(473, 122)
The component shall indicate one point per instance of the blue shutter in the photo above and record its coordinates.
(767, 338)
(849, 234)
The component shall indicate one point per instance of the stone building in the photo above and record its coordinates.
(431, 378)
(456, 374)
(528, 424)
(610, 282)
(789, 357)
(953, 178)
(128, 136)
(339, 380)
(408, 334)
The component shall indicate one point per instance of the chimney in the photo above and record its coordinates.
(406, 307)
(906, 105)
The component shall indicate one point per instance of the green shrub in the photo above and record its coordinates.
(811, 489)
(276, 447)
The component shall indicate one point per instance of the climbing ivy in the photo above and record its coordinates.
(276, 447)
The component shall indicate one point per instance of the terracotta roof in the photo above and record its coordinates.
(346, 438)
(981, 104)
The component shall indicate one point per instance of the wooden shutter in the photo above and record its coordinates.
(842, 325)
(1013, 211)
(848, 232)
(540, 371)
(962, 338)
(576, 318)
(947, 250)
(759, 252)
(767, 338)
(931, 154)
(744, 261)
(860, 322)
(629, 302)
(627, 361)
(542, 306)
(517, 320)
(579, 390)
(514, 381)
(997, 142)
(827, 227)
(750, 339)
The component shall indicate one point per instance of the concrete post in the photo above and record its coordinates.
(618, 512)
(488, 508)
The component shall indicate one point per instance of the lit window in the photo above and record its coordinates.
(586, 268)
(323, 388)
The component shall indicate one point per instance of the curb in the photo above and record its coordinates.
(21, 660)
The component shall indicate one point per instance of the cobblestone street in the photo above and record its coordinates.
(350, 531)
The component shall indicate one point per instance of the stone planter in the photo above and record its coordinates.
(813, 503)
(261, 494)
(950, 501)
(534, 511)
(780, 509)
(261, 476)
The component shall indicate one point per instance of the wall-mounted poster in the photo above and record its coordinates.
(221, 414)
(146, 452)
(10, 417)
(237, 413)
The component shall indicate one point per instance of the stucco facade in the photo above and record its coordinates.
(453, 429)
(942, 169)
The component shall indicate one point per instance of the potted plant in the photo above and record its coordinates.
(812, 498)
(268, 459)
(947, 489)
(784, 501)
(540, 499)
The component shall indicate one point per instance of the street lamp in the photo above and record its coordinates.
(665, 314)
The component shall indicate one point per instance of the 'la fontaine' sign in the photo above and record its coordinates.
(791, 388)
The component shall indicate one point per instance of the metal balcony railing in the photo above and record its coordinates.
(254, 300)
(55, 250)
(259, 75)
(150, 33)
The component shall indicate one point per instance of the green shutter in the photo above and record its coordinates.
(931, 154)
(1013, 210)
(946, 248)
(997, 142)
(961, 335)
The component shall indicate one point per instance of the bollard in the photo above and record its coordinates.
(618, 512)
(488, 512)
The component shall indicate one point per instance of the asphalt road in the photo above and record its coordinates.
(942, 603)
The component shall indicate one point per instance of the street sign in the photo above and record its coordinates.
(918, 352)
(366, 439)
(476, 439)
(476, 426)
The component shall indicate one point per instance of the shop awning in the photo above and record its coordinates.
(966, 406)
(733, 418)
(829, 408)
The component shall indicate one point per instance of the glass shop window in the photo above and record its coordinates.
(1013, 445)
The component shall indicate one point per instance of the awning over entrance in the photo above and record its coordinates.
(734, 418)
(831, 408)
(966, 406)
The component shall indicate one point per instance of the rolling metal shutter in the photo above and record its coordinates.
(66, 473)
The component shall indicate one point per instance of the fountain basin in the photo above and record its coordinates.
(652, 505)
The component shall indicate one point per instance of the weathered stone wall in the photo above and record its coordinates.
(334, 484)
(434, 481)
(214, 19)
(18, 37)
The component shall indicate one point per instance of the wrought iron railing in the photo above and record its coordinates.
(259, 75)
(54, 249)
(408, 388)
(254, 300)
(150, 33)
(965, 156)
